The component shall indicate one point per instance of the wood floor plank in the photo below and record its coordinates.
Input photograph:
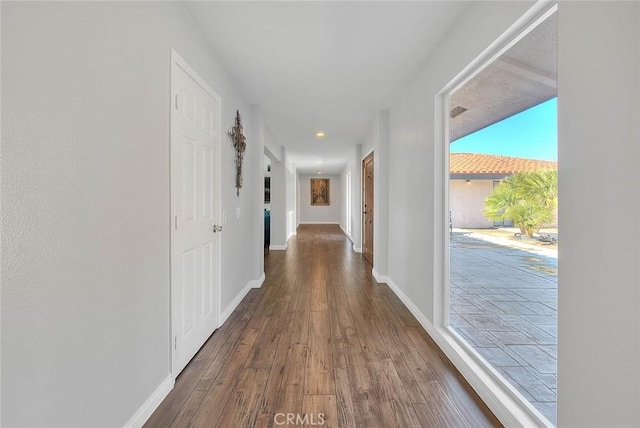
(283, 369)
(320, 410)
(264, 350)
(290, 396)
(395, 406)
(459, 392)
(245, 398)
(183, 419)
(321, 336)
(344, 401)
(445, 412)
(399, 354)
(212, 406)
(193, 373)
(319, 376)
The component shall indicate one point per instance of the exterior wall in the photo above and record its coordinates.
(85, 205)
(320, 214)
(466, 202)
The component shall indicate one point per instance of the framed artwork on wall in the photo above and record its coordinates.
(320, 191)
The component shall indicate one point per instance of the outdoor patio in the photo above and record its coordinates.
(504, 304)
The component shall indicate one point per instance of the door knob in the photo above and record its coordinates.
(217, 228)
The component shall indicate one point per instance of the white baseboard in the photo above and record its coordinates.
(357, 249)
(226, 313)
(256, 283)
(501, 399)
(347, 234)
(278, 247)
(379, 278)
(152, 403)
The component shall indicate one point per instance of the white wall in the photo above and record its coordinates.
(466, 202)
(354, 166)
(85, 205)
(291, 190)
(320, 214)
(356, 188)
(381, 196)
(599, 282)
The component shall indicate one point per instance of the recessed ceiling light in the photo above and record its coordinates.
(319, 162)
(320, 134)
(319, 172)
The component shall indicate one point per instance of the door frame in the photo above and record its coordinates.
(178, 62)
(362, 200)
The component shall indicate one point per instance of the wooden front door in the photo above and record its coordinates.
(367, 208)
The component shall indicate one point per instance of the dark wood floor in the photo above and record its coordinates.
(321, 340)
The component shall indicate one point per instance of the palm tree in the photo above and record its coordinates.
(527, 198)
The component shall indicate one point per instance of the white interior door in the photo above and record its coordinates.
(195, 201)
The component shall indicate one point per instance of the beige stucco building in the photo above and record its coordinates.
(473, 177)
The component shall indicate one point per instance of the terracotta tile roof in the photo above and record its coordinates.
(474, 163)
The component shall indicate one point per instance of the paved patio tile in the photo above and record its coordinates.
(536, 357)
(512, 354)
(511, 318)
(512, 338)
(538, 335)
(515, 384)
(534, 387)
(551, 329)
(477, 338)
(536, 294)
(539, 320)
(513, 308)
(550, 349)
(497, 357)
(516, 333)
(548, 409)
(541, 309)
(467, 309)
(553, 303)
(549, 380)
(488, 322)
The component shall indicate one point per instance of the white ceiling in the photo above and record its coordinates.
(328, 66)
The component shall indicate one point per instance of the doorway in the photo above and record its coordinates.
(367, 208)
(195, 212)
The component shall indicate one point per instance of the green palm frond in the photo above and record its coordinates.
(527, 198)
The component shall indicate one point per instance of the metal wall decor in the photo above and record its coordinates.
(239, 144)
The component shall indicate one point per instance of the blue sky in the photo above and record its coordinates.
(531, 134)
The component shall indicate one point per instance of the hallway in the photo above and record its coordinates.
(322, 341)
